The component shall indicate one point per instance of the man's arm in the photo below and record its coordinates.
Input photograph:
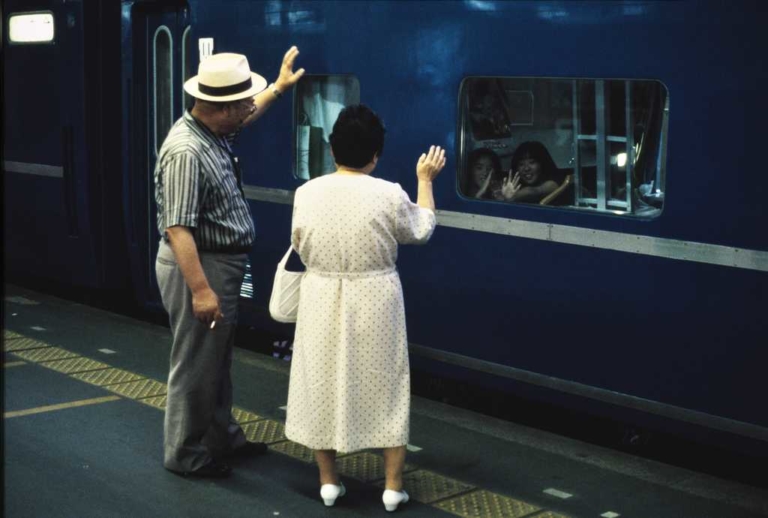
(287, 78)
(205, 302)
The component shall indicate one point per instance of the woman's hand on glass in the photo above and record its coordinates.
(510, 185)
(484, 187)
(430, 164)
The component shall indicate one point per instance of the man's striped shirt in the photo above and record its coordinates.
(196, 186)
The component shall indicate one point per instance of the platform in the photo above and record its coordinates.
(83, 422)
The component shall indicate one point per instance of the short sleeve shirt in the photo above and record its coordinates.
(196, 186)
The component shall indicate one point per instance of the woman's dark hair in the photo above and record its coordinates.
(538, 152)
(358, 135)
(496, 176)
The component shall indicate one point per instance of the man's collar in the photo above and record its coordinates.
(205, 130)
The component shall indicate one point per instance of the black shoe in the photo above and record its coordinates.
(249, 449)
(212, 469)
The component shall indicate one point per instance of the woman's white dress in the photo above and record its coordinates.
(350, 384)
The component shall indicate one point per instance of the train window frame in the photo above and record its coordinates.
(158, 138)
(303, 131)
(18, 14)
(186, 67)
(591, 121)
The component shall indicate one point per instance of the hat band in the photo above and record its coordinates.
(223, 91)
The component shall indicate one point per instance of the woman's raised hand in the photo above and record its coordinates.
(430, 164)
(510, 185)
(485, 186)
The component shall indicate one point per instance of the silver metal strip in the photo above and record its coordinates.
(617, 241)
(269, 195)
(607, 396)
(53, 171)
(620, 242)
(601, 146)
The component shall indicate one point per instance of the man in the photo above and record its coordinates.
(207, 229)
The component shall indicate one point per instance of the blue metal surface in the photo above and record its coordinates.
(45, 127)
(670, 331)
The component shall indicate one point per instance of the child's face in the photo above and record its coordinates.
(481, 170)
(530, 171)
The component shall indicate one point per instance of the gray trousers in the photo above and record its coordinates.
(198, 412)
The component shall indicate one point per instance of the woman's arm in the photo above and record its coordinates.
(535, 193)
(427, 168)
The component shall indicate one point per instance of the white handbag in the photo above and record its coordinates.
(284, 301)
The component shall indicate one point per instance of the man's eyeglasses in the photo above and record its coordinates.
(245, 105)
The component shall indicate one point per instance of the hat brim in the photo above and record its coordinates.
(258, 84)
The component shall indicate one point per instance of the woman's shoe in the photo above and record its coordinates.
(392, 499)
(330, 492)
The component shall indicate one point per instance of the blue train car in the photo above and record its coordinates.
(636, 290)
(61, 166)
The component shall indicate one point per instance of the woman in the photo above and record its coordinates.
(534, 174)
(483, 179)
(350, 386)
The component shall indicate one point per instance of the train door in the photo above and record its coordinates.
(155, 72)
(50, 232)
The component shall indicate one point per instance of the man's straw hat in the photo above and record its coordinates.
(224, 77)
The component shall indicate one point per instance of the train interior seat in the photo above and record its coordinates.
(563, 195)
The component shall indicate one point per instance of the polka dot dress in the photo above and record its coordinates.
(350, 384)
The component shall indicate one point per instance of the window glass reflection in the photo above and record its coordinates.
(319, 99)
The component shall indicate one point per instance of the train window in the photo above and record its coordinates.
(319, 99)
(163, 84)
(588, 144)
(30, 28)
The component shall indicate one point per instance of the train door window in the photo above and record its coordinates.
(319, 99)
(31, 28)
(588, 144)
(163, 84)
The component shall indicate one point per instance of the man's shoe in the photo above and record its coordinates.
(249, 449)
(212, 469)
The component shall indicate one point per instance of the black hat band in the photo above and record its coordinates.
(223, 91)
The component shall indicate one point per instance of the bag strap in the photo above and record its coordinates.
(284, 260)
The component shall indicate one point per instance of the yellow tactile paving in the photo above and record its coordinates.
(75, 365)
(106, 377)
(139, 389)
(427, 487)
(22, 343)
(484, 504)
(13, 364)
(157, 401)
(10, 335)
(45, 354)
(364, 466)
(424, 486)
(244, 416)
(295, 450)
(267, 431)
